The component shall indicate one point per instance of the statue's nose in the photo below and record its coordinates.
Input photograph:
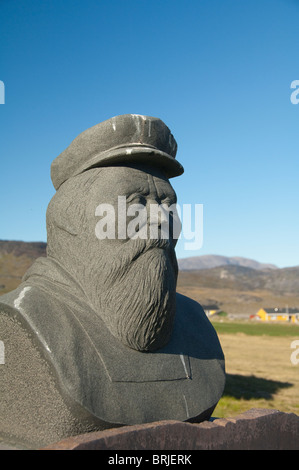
(156, 212)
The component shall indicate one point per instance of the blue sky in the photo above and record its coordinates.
(217, 72)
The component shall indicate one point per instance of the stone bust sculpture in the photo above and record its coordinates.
(96, 335)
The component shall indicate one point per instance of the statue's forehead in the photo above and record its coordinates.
(126, 180)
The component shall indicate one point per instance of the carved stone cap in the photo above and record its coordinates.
(129, 138)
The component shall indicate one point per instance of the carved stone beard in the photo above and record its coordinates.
(134, 292)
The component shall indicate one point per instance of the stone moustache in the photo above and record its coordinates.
(96, 336)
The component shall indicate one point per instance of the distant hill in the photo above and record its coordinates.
(241, 290)
(31, 249)
(238, 285)
(213, 261)
(15, 258)
(240, 278)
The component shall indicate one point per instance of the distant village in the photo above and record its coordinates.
(290, 315)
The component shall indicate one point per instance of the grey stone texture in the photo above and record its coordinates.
(96, 336)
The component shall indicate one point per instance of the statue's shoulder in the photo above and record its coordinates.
(193, 322)
(19, 301)
(189, 307)
(11, 303)
(184, 301)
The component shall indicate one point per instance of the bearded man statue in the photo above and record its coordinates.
(96, 336)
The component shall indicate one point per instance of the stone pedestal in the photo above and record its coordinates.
(256, 429)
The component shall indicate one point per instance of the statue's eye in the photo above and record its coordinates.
(136, 199)
(169, 200)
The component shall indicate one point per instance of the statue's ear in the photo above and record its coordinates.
(67, 226)
(65, 215)
(67, 208)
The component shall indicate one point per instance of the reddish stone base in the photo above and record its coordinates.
(256, 429)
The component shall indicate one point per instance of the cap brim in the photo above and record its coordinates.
(134, 154)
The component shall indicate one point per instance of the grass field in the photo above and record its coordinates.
(260, 373)
(256, 328)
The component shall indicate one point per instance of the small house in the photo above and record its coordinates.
(279, 314)
(211, 309)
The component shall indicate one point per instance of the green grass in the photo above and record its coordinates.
(245, 390)
(256, 329)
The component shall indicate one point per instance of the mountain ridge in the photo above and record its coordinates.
(213, 261)
(240, 278)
